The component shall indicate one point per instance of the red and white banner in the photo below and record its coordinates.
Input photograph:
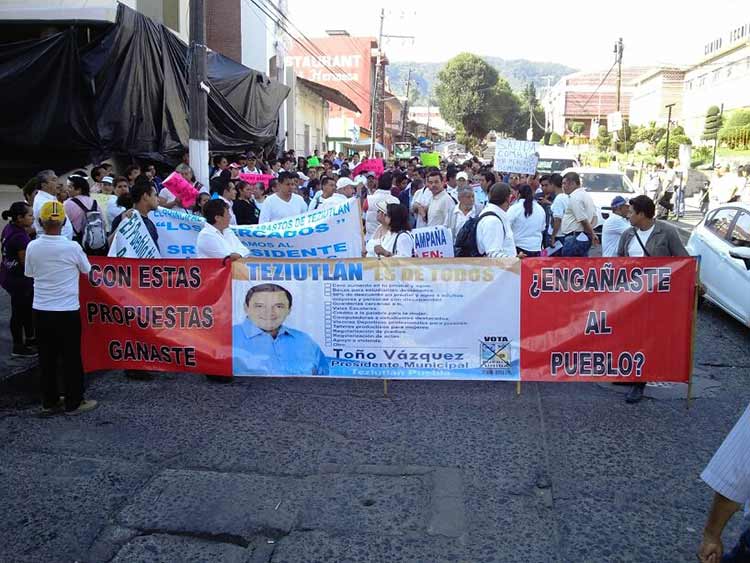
(599, 319)
(165, 315)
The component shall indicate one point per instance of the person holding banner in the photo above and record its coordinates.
(144, 200)
(647, 237)
(392, 238)
(217, 239)
(327, 197)
(284, 203)
(263, 345)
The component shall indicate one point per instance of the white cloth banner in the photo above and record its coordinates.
(512, 155)
(132, 240)
(334, 232)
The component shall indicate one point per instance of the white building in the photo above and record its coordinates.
(430, 116)
(654, 90)
(721, 77)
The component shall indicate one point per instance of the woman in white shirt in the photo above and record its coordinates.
(217, 239)
(392, 237)
(527, 221)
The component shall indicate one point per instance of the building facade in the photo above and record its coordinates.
(721, 77)
(653, 92)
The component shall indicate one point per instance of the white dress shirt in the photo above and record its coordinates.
(458, 218)
(213, 243)
(440, 208)
(728, 472)
(423, 196)
(612, 230)
(113, 210)
(580, 208)
(323, 202)
(495, 238)
(275, 208)
(527, 231)
(39, 200)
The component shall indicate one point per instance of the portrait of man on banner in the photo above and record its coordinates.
(263, 345)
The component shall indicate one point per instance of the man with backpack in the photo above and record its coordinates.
(490, 233)
(86, 218)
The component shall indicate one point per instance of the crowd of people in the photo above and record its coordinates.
(489, 213)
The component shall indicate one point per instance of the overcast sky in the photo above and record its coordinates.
(579, 34)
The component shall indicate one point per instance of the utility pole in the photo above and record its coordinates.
(281, 77)
(198, 116)
(669, 123)
(618, 58)
(406, 107)
(375, 106)
(716, 140)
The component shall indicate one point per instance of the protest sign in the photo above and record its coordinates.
(333, 232)
(624, 319)
(390, 318)
(369, 165)
(181, 189)
(102, 202)
(166, 315)
(132, 239)
(515, 156)
(433, 242)
(255, 178)
(431, 159)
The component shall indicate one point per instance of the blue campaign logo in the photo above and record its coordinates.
(495, 353)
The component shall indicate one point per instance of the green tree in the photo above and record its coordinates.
(528, 102)
(577, 127)
(470, 93)
(675, 140)
(712, 124)
(603, 139)
(554, 139)
(625, 141)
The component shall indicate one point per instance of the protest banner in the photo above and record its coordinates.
(390, 318)
(255, 178)
(369, 165)
(431, 159)
(181, 189)
(624, 319)
(333, 232)
(166, 315)
(512, 155)
(132, 239)
(433, 242)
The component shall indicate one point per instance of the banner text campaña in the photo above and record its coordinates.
(607, 279)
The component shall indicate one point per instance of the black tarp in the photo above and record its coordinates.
(126, 93)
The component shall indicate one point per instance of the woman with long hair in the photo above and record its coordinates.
(527, 221)
(393, 236)
(15, 238)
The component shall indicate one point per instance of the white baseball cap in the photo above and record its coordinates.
(345, 182)
(463, 175)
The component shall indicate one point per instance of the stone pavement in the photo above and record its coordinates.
(299, 470)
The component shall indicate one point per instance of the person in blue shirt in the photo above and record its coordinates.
(263, 345)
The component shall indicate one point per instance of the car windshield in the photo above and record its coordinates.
(550, 165)
(594, 182)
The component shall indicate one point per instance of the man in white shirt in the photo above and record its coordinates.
(49, 185)
(56, 265)
(451, 182)
(382, 193)
(228, 195)
(494, 235)
(579, 219)
(283, 203)
(559, 205)
(217, 239)
(442, 203)
(420, 202)
(328, 196)
(463, 211)
(616, 224)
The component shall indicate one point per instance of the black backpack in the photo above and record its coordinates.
(465, 245)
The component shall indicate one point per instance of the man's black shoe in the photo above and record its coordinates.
(636, 394)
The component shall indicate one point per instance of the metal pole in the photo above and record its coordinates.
(716, 140)
(406, 106)
(281, 77)
(374, 112)
(618, 48)
(669, 123)
(198, 115)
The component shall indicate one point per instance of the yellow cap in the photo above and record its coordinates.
(52, 211)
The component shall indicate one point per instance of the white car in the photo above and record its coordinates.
(604, 185)
(722, 241)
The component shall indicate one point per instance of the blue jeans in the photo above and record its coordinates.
(573, 247)
(741, 551)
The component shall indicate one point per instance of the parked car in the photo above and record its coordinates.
(604, 185)
(722, 241)
(555, 159)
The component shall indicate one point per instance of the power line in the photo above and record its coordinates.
(583, 107)
(312, 45)
(283, 28)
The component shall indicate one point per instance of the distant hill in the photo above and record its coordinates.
(518, 72)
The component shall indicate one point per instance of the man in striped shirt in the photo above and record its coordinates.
(728, 474)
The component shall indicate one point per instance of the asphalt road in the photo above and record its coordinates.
(291, 471)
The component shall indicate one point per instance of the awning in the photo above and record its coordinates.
(102, 11)
(330, 94)
(364, 145)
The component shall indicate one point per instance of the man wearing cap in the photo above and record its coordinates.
(614, 226)
(346, 188)
(328, 196)
(56, 264)
(48, 188)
